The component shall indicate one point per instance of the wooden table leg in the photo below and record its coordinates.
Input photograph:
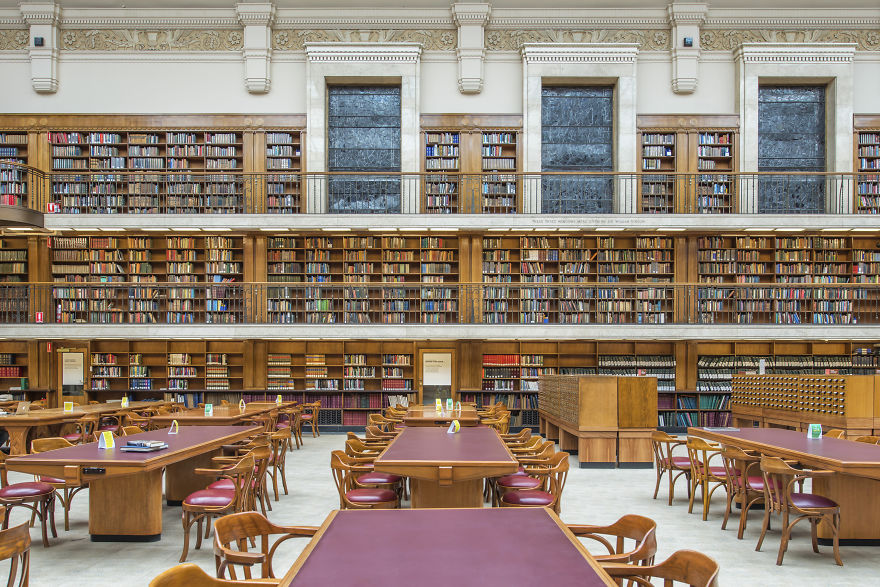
(180, 480)
(17, 440)
(461, 494)
(859, 513)
(126, 509)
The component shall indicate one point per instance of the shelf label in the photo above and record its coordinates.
(105, 440)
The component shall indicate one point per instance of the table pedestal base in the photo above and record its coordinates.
(461, 494)
(180, 480)
(126, 509)
(859, 514)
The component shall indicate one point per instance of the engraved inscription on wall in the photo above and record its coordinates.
(364, 135)
(791, 137)
(577, 135)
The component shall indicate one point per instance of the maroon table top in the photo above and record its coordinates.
(187, 439)
(445, 547)
(835, 449)
(430, 443)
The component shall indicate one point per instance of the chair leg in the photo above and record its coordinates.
(814, 523)
(765, 526)
(186, 525)
(284, 480)
(275, 481)
(44, 510)
(727, 511)
(786, 532)
(660, 472)
(51, 506)
(706, 497)
(671, 486)
(693, 492)
(835, 536)
(65, 503)
(743, 517)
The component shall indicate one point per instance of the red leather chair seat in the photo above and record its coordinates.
(715, 471)
(306, 417)
(210, 497)
(519, 471)
(26, 489)
(518, 482)
(370, 495)
(109, 427)
(46, 479)
(756, 482)
(377, 478)
(531, 497)
(282, 425)
(680, 462)
(227, 484)
(72, 437)
(811, 500)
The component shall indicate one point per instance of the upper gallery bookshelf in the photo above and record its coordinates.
(868, 165)
(284, 188)
(499, 163)
(688, 165)
(147, 171)
(442, 168)
(530, 270)
(13, 178)
(337, 273)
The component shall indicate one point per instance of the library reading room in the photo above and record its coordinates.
(589, 290)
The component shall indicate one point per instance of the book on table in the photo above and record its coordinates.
(143, 446)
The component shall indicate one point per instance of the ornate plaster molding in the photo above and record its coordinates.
(580, 53)
(430, 40)
(388, 52)
(514, 39)
(357, 18)
(833, 53)
(151, 40)
(471, 19)
(729, 40)
(14, 40)
(584, 18)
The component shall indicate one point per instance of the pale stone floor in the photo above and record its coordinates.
(591, 496)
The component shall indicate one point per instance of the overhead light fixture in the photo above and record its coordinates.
(154, 229)
(374, 229)
(616, 229)
(499, 229)
(865, 230)
(672, 229)
(443, 229)
(183, 229)
(755, 229)
(344, 229)
(19, 228)
(789, 230)
(223, 229)
(413, 228)
(268, 229)
(112, 229)
(567, 229)
(834, 229)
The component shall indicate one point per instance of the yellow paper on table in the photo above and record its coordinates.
(124, 402)
(174, 427)
(454, 427)
(278, 400)
(68, 407)
(241, 405)
(105, 440)
(439, 405)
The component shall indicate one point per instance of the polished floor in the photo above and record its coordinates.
(591, 496)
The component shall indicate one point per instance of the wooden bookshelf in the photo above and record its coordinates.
(13, 259)
(223, 265)
(716, 189)
(284, 189)
(659, 166)
(15, 368)
(866, 142)
(14, 187)
(499, 186)
(442, 164)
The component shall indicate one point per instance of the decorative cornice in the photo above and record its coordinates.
(585, 18)
(838, 53)
(255, 14)
(355, 18)
(40, 12)
(388, 52)
(464, 13)
(580, 53)
(693, 14)
(155, 40)
(430, 40)
(14, 40)
(514, 40)
(729, 40)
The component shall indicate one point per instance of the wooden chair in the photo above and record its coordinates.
(551, 493)
(310, 416)
(704, 474)
(835, 433)
(15, 544)
(745, 484)
(375, 433)
(383, 423)
(684, 566)
(868, 439)
(279, 442)
(64, 491)
(201, 506)
(518, 438)
(641, 530)
(666, 462)
(233, 534)
(291, 418)
(259, 448)
(36, 496)
(364, 456)
(85, 430)
(192, 575)
(345, 472)
(129, 430)
(375, 444)
(779, 479)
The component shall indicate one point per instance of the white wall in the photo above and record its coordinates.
(715, 92)
(502, 87)
(866, 82)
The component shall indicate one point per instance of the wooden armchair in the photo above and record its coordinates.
(310, 415)
(233, 534)
(665, 462)
(641, 530)
(130, 430)
(531, 446)
(518, 438)
(15, 544)
(260, 449)
(346, 471)
(684, 566)
(291, 418)
(835, 433)
(553, 482)
(373, 443)
(704, 474)
(374, 433)
(201, 506)
(279, 442)
(86, 427)
(64, 491)
(37, 496)
(745, 485)
(779, 480)
(868, 439)
(192, 575)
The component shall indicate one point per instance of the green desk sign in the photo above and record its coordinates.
(814, 431)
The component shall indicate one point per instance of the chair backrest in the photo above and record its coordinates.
(242, 475)
(15, 544)
(868, 439)
(129, 430)
(354, 447)
(51, 443)
(684, 566)
(701, 453)
(835, 433)
(340, 466)
(87, 426)
(192, 575)
(641, 530)
(778, 479)
(738, 467)
(557, 474)
(234, 533)
(661, 444)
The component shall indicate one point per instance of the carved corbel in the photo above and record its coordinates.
(471, 20)
(43, 19)
(685, 21)
(256, 50)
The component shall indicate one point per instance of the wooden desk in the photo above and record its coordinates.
(223, 415)
(19, 426)
(856, 488)
(125, 500)
(429, 416)
(439, 548)
(447, 470)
